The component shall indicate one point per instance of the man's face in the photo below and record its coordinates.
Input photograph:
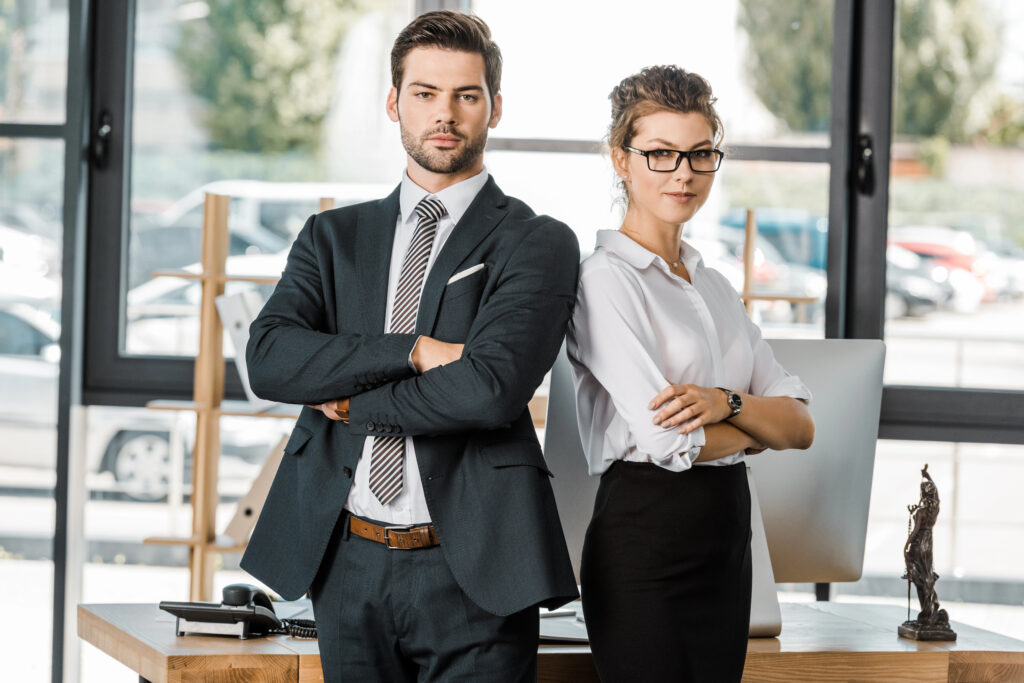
(444, 109)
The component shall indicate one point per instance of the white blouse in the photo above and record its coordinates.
(636, 329)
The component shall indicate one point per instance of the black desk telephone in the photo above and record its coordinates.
(245, 611)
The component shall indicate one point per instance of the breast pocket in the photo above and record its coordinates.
(459, 304)
(474, 282)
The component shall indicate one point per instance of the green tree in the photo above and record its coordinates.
(265, 69)
(946, 55)
(788, 61)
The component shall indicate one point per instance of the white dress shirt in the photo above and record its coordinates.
(636, 329)
(410, 505)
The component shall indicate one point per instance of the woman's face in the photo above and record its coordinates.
(668, 198)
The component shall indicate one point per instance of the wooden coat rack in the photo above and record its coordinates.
(208, 397)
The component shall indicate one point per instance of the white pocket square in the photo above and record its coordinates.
(466, 272)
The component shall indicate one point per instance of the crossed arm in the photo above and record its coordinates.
(777, 422)
(611, 336)
(289, 358)
(427, 354)
(484, 384)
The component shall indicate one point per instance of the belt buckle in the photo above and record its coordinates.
(387, 536)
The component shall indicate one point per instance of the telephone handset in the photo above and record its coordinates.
(245, 611)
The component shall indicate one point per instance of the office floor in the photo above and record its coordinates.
(26, 635)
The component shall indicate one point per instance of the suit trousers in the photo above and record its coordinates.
(398, 615)
(666, 574)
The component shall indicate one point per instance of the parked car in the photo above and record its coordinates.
(800, 236)
(723, 249)
(133, 444)
(163, 314)
(971, 268)
(34, 254)
(167, 247)
(913, 287)
(281, 208)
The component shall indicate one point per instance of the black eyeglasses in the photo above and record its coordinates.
(668, 160)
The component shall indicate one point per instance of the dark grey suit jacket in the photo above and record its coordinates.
(320, 338)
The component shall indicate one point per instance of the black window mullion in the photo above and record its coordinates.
(840, 189)
(33, 130)
(871, 95)
(69, 396)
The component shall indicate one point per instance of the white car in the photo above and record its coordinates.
(163, 313)
(281, 208)
(133, 444)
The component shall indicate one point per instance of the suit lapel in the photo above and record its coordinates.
(375, 236)
(482, 217)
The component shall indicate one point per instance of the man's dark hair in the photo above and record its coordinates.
(448, 30)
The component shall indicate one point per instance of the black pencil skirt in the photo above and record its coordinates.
(665, 574)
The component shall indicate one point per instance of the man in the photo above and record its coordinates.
(413, 502)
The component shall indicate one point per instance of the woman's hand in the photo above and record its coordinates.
(690, 404)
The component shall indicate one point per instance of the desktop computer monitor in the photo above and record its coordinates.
(814, 503)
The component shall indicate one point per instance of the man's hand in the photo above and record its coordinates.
(690, 404)
(430, 353)
(334, 410)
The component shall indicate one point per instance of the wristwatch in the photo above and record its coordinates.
(734, 400)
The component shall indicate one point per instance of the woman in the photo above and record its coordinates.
(674, 386)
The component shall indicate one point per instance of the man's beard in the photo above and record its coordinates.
(437, 161)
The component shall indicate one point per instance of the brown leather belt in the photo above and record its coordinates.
(395, 537)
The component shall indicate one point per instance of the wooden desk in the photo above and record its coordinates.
(820, 642)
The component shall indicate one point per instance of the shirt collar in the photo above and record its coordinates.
(456, 198)
(638, 257)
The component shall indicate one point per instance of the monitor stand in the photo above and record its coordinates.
(765, 615)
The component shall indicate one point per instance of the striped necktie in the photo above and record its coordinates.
(388, 453)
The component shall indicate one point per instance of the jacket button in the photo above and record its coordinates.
(347, 471)
(370, 427)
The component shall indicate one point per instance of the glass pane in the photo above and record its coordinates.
(265, 122)
(30, 260)
(976, 537)
(955, 269)
(769, 63)
(33, 61)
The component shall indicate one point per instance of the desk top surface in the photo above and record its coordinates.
(807, 627)
(143, 637)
